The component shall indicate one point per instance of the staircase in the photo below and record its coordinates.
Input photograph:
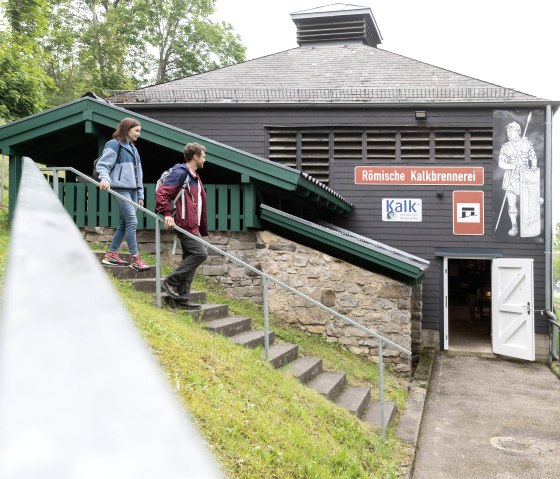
(308, 370)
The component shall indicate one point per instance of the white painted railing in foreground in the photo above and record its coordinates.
(80, 393)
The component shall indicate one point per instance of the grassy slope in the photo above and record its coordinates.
(261, 422)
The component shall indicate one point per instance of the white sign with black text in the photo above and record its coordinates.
(401, 209)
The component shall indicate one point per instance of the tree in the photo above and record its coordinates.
(55, 50)
(103, 45)
(90, 43)
(24, 85)
(185, 38)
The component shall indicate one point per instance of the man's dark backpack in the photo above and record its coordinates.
(181, 193)
(95, 175)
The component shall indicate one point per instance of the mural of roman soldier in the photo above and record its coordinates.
(519, 161)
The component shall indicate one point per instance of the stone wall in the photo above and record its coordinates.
(386, 306)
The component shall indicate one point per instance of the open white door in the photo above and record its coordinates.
(513, 328)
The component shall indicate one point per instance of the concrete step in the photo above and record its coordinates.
(126, 272)
(207, 312)
(329, 384)
(229, 326)
(146, 285)
(372, 416)
(282, 354)
(196, 296)
(306, 368)
(253, 338)
(354, 398)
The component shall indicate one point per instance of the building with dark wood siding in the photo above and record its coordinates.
(340, 106)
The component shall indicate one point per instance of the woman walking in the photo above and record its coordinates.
(120, 169)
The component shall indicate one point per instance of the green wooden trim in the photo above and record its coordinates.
(114, 213)
(103, 208)
(92, 202)
(93, 113)
(150, 204)
(222, 207)
(235, 207)
(368, 257)
(15, 170)
(80, 204)
(211, 206)
(67, 197)
(250, 194)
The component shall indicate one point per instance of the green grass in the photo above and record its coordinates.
(261, 422)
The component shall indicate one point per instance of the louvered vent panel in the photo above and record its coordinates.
(348, 144)
(381, 144)
(481, 144)
(283, 147)
(327, 30)
(449, 144)
(315, 154)
(415, 144)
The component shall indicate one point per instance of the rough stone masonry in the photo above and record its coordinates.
(384, 305)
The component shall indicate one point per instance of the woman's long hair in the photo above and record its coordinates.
(121, 133)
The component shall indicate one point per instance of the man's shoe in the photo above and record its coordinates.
(138, 264)
(190, 305)
(112, 258)
(172, 291)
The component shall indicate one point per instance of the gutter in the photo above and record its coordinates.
(548, 210)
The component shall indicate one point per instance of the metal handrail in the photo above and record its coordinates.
(552, 321)
(264, 276)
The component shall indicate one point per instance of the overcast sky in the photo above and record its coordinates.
(513, 43)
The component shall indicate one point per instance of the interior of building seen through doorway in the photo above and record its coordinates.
(470, 305)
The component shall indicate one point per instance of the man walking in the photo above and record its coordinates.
(181, 199)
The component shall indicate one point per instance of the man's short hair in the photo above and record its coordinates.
(192, 149)
(513, 126)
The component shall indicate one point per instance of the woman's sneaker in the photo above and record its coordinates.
(138, 264)
(112, 258)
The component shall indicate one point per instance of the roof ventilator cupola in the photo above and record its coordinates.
(334, 24)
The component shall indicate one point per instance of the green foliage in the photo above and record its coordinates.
(53, 51)
(23, 84)
(90, 44)
(100, 46)
(26, 18)
(187, 41)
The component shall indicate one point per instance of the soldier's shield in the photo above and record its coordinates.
(530, 203)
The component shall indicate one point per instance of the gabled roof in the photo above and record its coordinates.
(73, 130)
(344, 244)
(330, 74)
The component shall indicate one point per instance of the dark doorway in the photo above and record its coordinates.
(470, 304)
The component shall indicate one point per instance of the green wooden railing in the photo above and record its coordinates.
(229, 207)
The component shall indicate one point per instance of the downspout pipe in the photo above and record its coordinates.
(548, 226)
